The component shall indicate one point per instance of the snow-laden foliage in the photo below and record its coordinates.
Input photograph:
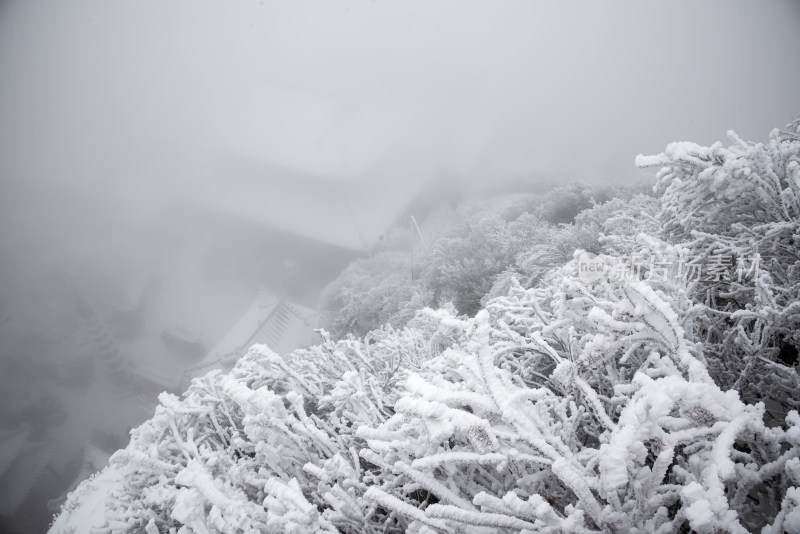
(470, 254)
(577, 409)
(564, 408)
(372, 292)
(620, 222)
(734, 203)
(631, 403)
(259, 449)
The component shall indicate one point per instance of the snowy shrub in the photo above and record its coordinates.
(733, 203)
(569, 407)
(462, 266)
(620, 222)
(268, 447)
(556, 247)
(559, 205)
(372, 292)
(577, 409)
(471, 253)
(610, 228)
(534, 402)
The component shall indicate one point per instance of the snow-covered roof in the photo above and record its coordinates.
(339, 210)
(277, 197)
(270, 320)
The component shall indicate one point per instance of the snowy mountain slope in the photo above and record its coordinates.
(573, 408)
(578, 404)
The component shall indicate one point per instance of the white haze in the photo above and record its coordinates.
(118, 119)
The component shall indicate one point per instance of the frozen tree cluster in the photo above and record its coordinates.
(466, 252)
(737, 202)
(636, 403)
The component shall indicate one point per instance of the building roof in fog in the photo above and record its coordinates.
(310, 163)
(282, 325)
(351, 213)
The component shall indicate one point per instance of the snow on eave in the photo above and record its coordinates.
(249, 330)
(233, 342)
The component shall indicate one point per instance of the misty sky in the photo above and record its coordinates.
(110, 109)
(98, 92)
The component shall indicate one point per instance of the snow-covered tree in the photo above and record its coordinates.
(569, 407)
(470, 254)
(741, 205)
(372, 292)
(629, 403)
(575, 408)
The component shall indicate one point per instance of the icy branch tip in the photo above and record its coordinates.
(651, 161)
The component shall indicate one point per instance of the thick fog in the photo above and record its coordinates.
(160, 162)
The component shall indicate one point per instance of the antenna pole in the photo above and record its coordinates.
(412, 248)
(414, 225)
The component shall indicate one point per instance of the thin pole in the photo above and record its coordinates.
(412, 248)
(414, 225)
